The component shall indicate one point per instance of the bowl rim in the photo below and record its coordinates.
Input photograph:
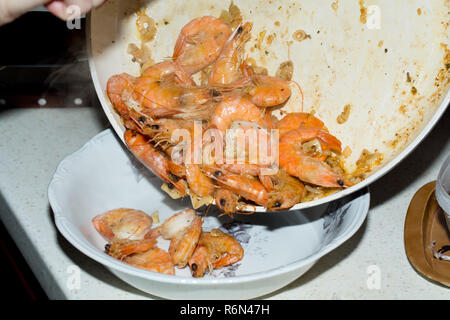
(107, 109)
(65, 226)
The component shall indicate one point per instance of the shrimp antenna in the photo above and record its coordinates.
(301, 92)
(207, 209)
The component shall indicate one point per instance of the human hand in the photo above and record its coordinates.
(62, 8)
(12, 9)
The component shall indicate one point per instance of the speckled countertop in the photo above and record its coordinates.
(34, 141)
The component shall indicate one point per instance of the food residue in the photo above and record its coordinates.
(285, 70)
(300, 35)
(366, 162)
(146, 27)
(256, 69)
(335, 5)
(363, 12)
(343, 117)
(347, 152)
(141, 55)
(232, 17)
(270, 38)
(408, 77)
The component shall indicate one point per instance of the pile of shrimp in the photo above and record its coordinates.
(232, 94)
(132, 240)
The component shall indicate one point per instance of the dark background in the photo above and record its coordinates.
(41, 59)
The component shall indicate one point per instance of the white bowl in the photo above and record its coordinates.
(279, 247)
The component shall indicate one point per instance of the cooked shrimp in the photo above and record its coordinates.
(121, 248)
(308, 169)
(177, 169)
(183, 230)
(162, 131)
(156, 260)
(226, 69)
(177, 223)
(285, 191)
(198, 182)
(200, 43)
(268, 91)
(270, 122)
(118, 85)
(296, 120)
(182, 245)
(244, 185)
(123, 223)
(199, 263)
(262, 90)
(235, 108)
(216, 249)
(160, 88)
(226, 201)
(226, 249)
(158, 163)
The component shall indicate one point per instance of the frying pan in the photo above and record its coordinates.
(388, 60)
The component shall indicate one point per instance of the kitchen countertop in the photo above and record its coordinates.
(34, 141)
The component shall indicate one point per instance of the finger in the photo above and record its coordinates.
(72, 9)
(58, 8)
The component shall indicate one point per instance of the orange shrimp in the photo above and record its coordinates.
(262, 90)
(162, 131)
(268, 91)
(158, 163)
(244, 185)
(123, 223)
(200, 43)
(156, 260)
(198, 182)
(226, 249)
(182, 245)
(270, 122)
(285, 191)
(183, 230)
(226, 201)
(199, 263)
(216, 249)
(159, 89)
(235, 108)
(117, 86)
(177, 223)
(296, 120)
(226, 69)
(177, 169)
(121, 248)
(306, 168)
